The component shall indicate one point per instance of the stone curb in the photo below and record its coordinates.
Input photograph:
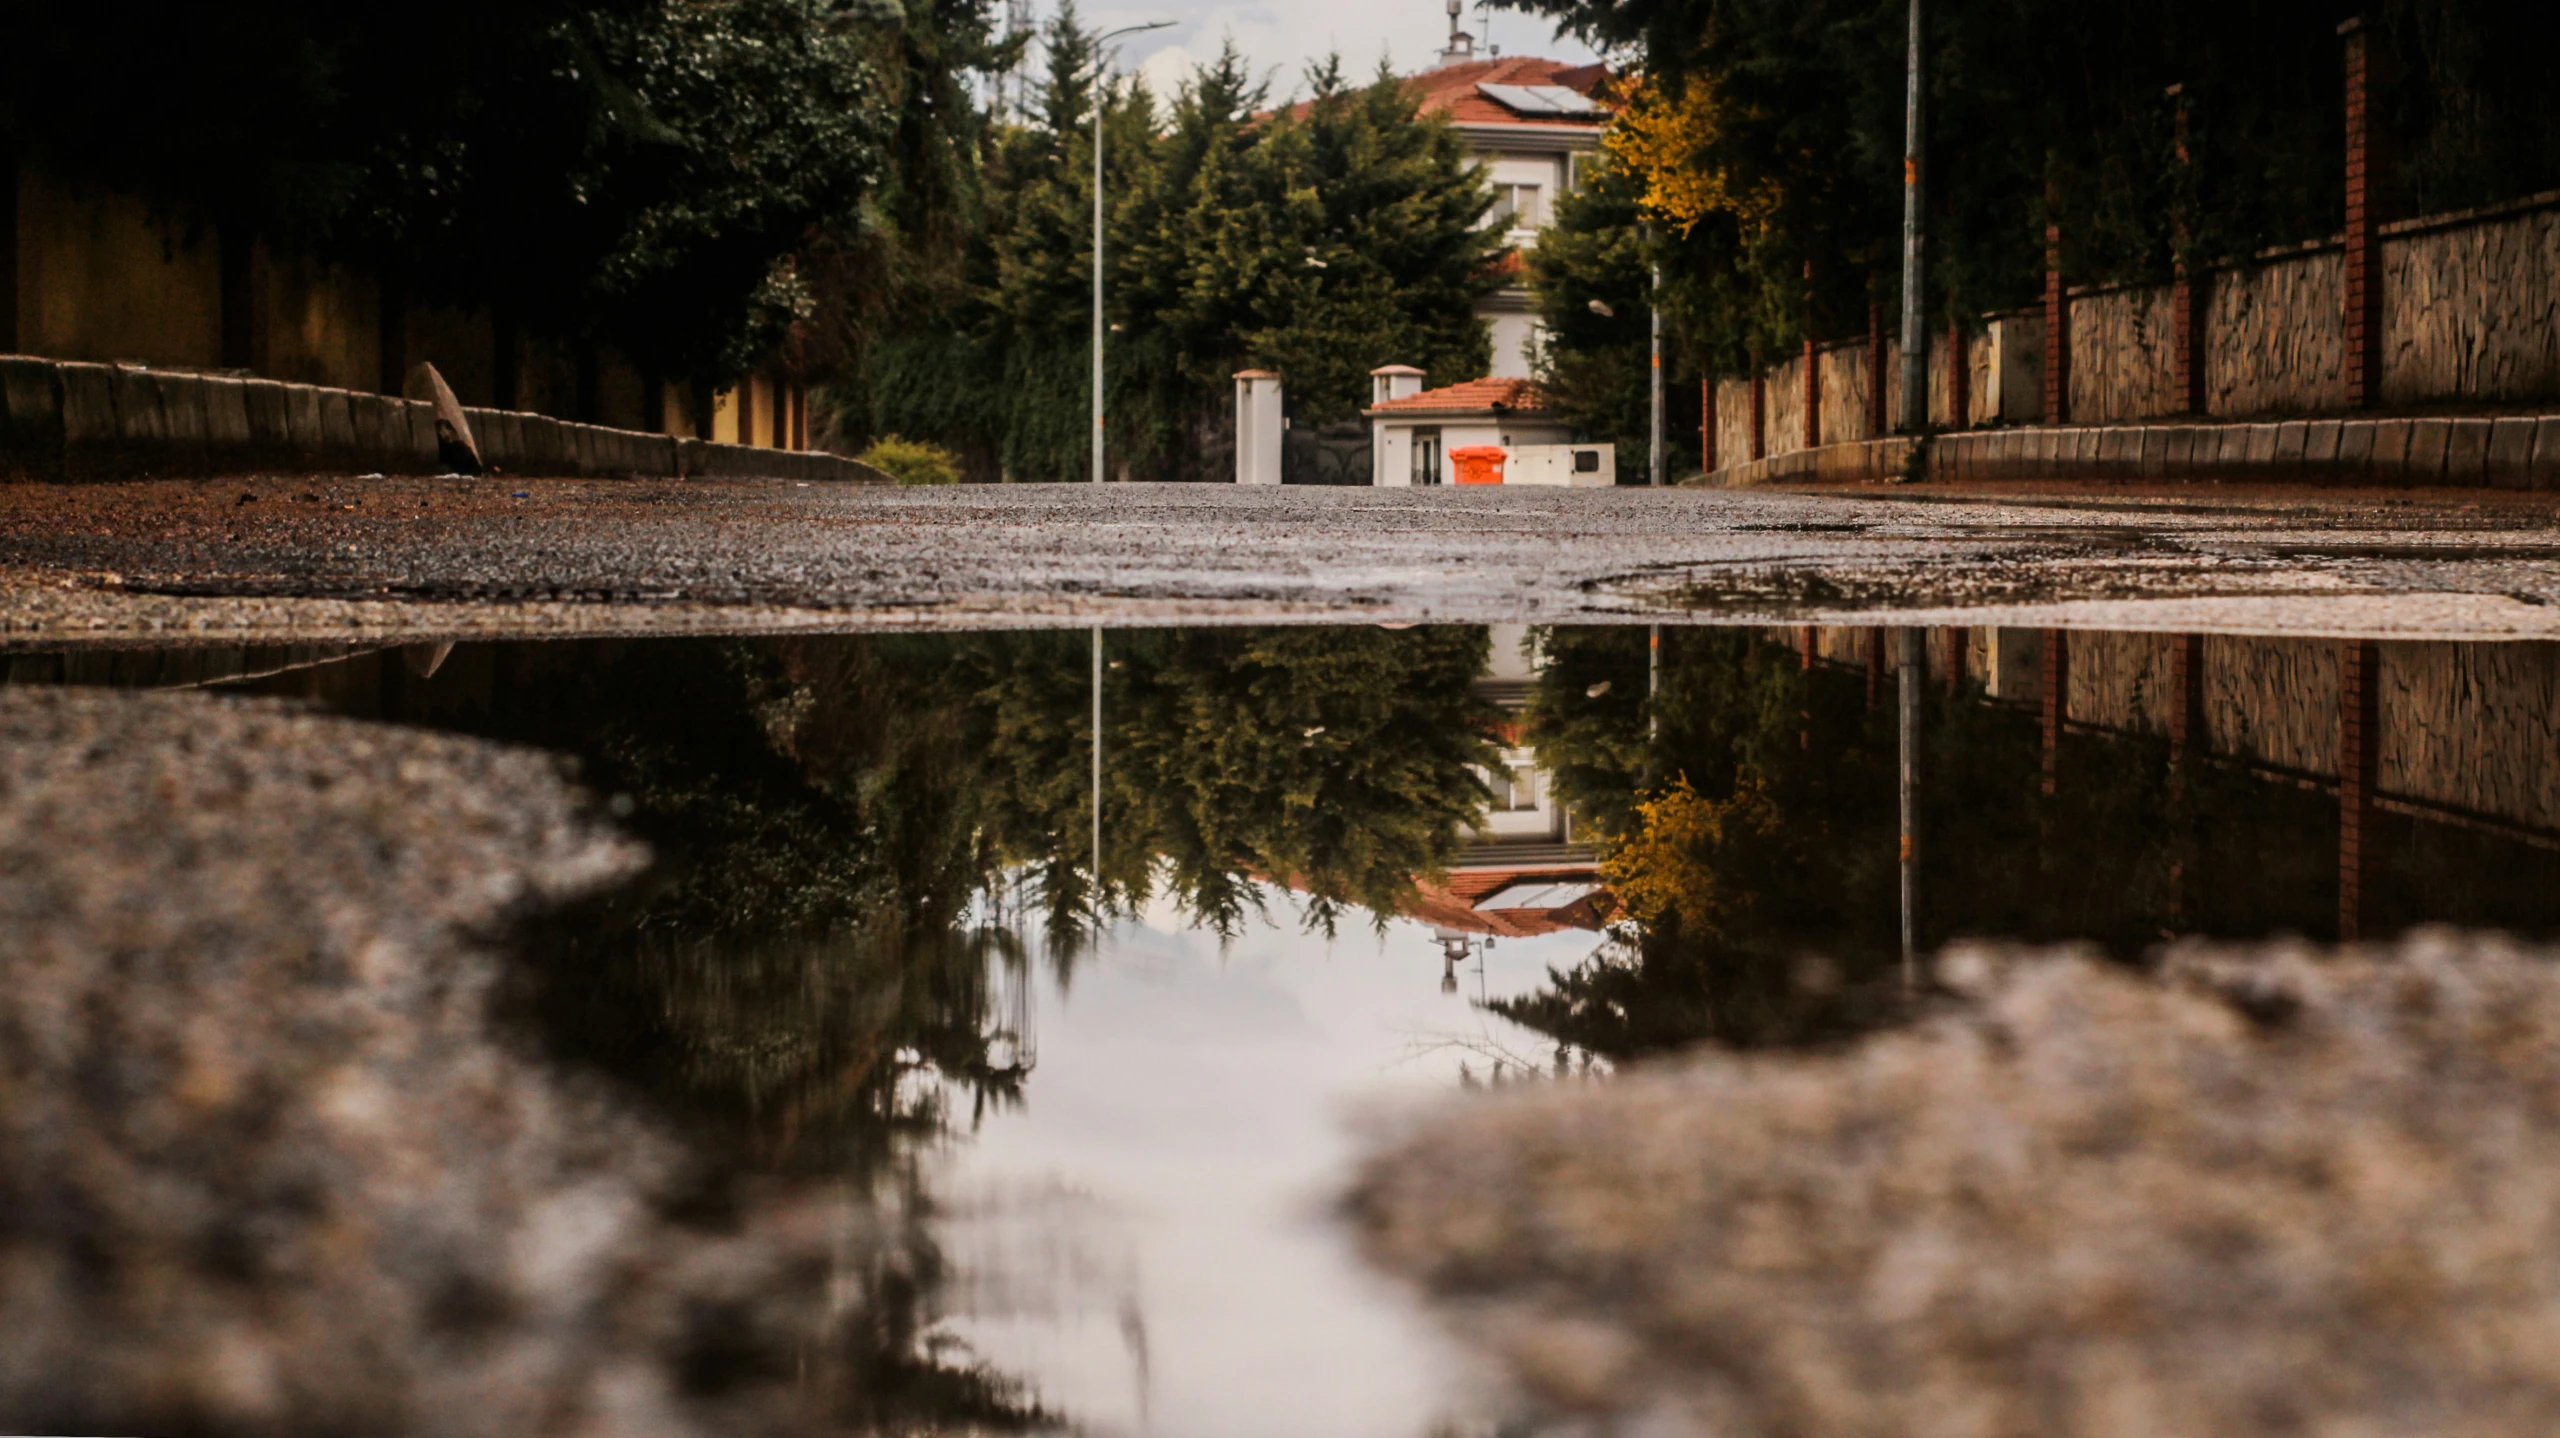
(64, 420)
(2480, 452)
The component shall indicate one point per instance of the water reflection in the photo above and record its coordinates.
(2118, 789)
(1264, 869)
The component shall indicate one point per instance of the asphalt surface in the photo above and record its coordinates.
(372, 559)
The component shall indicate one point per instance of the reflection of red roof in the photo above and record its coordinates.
(1476, 396)
(1452, 905)
(1451, 90)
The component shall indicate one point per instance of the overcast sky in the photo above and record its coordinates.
(1280, 37)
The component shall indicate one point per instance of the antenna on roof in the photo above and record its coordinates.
(1462, 46)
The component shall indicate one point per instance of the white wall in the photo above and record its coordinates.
(1514, 340)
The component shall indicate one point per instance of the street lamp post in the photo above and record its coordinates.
(1101, 68)
(1915, 346)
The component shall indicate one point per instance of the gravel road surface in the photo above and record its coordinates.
(376, 559)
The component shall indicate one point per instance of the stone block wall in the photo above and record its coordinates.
(1845, 390)
(1733, 422)
(2123, 364)
(1785, 390)
(2276, 336)
(2471, 310)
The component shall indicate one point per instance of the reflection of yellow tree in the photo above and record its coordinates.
(1667, 138)
(1702, 864)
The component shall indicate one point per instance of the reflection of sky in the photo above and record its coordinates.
(1152, 1218)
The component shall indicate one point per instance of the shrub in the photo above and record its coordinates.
(913, 462)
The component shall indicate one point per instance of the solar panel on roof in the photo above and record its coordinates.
(1538, 99)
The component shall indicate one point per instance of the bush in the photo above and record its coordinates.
(913, 462)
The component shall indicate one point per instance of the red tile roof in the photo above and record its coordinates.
(1476, 396)
(1453, 905)
(1451, 90)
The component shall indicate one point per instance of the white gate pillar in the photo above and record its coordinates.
(1258, 427)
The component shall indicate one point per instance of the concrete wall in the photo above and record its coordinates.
(100, 278)
(322, 325)
(70, 420)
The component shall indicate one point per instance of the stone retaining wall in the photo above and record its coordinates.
(2276, 336)
(2471, 310)
(93, 421)
(2508, 452)
(2471, 318)
(2123, 364)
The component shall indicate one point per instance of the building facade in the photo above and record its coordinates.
(1532, 124)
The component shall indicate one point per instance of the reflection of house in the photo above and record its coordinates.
(1522, 872)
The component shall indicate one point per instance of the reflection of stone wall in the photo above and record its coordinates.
(2276, 337)
(2122, 364)
(2122, 681)
(2472, 311)
(2474, 726)
(2274, 701)
(1786, 406)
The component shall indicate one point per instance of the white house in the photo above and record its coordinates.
(1413, 431)
(1531, 123)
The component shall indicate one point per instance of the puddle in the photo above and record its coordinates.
(1345, 869)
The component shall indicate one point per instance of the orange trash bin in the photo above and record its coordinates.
(1478, 463)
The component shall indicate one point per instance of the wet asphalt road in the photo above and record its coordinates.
(372, 559)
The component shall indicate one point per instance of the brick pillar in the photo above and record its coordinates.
(1812, 395)
(1809, 640)
(1707, 425)
(1875, 666)
(2364, 225)
(2186, 334)
(2186, 688)
(2057, 699)
(1877, 424)
(2359, 746)
(2057, 332)
(1959, 378)
(1759, 412)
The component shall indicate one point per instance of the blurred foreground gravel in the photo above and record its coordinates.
(265, 1166)
(2265, 1193)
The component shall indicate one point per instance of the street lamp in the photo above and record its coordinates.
(1101, 106)
(1101, 66)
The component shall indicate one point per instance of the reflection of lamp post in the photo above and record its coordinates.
(1101, 106)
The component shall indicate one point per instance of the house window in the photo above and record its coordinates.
(1516, 206)
(1426, 456)
(1515, 788)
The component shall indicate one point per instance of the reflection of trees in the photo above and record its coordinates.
(1758, 843)
(1336, 760)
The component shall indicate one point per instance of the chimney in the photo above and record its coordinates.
(1462, 46)
(1393, 381)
